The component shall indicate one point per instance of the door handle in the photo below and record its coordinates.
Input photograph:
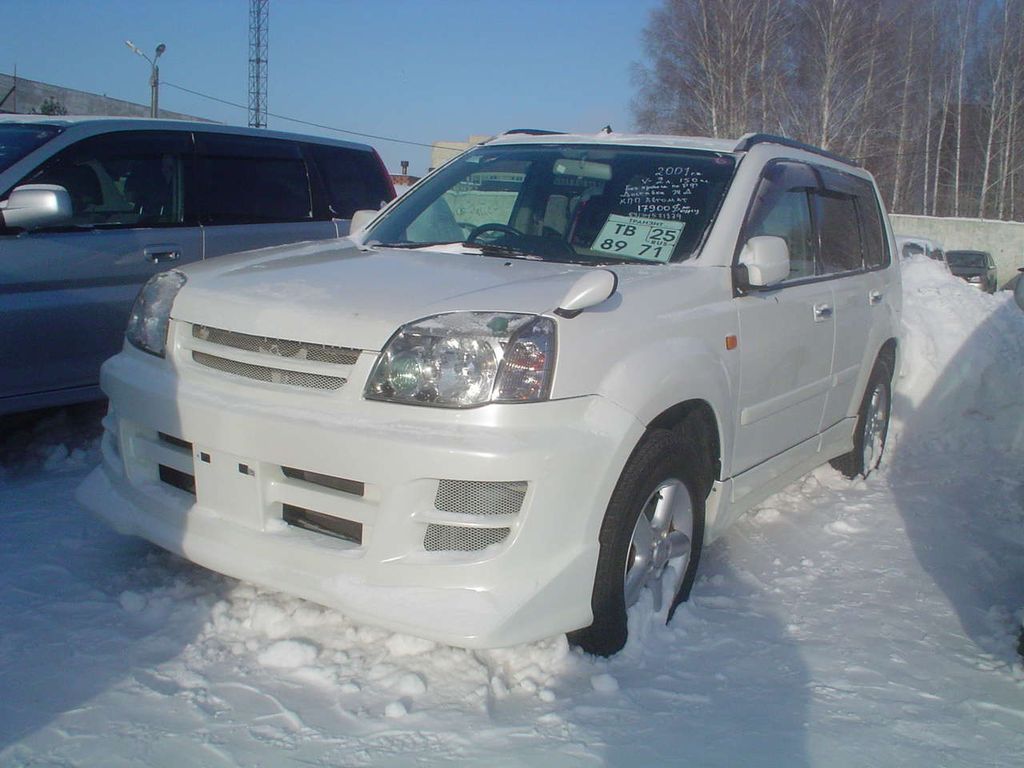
(875, 297)
(822, 312)
(161, 254)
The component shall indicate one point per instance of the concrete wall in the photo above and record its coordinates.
(1003, 239)
(28, 95)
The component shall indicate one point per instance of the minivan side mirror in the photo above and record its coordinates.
(359, 221)
(766, 259)
(36, 205)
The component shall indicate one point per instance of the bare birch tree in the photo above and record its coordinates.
(926, 96)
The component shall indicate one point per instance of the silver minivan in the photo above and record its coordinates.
(91, 208)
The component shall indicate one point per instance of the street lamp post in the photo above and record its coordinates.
(154, 75)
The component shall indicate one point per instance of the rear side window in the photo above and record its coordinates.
(123, 179)
(250, 180)
(876, 249)
(354, 179)
(839, 231)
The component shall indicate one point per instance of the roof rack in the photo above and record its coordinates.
(534, 132)
(749, 140)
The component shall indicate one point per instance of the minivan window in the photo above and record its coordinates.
(250, 180)
(354, 180)
(129, 179)
(17, 140)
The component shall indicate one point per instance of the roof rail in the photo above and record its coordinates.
(749, 140)
(533, 132)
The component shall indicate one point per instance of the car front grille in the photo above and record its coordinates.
(307, 365)
(265, 373)
(264, 345)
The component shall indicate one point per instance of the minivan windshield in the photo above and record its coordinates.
(18, 139)
(565, 203)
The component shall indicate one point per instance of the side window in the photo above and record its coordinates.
(840, 233)
(876, 247)
(354, 179)
(781, 208)
(124, 179)
(250, 180)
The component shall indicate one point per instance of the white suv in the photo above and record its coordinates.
(525, 396)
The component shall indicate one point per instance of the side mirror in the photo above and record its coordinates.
(37, 205)
(1018, 290)
(766, 259)
(359, 221)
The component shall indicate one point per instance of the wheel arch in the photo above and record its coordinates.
(695, 418)
(888, 352)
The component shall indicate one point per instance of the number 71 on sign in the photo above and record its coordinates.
(638, 237)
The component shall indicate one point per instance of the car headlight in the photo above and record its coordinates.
(974, 279)
(464, 359)
(151, 313)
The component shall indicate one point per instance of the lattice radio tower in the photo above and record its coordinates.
(259, 25)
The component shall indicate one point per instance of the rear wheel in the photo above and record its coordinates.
(872, 425)
(651, 539)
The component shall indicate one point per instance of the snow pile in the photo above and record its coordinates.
(962, 381)
(843, 623)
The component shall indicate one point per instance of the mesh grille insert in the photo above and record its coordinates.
(299, 350)
(472, 497)
(441, 538)
(265, 373)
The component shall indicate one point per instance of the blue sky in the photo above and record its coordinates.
(420, 71)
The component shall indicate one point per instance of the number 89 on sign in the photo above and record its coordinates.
(638, 237)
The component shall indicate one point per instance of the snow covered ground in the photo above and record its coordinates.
(868, 623)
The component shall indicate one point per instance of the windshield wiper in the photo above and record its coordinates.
(409, 245)
(492, 249)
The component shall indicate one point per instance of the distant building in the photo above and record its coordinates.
(403, 180)
(21, 96)
(443, 151)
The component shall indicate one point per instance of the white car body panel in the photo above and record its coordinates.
(783, 385)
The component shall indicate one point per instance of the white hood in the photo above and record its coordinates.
(344, 296)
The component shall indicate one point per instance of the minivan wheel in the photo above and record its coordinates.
(650, 539)
(872, 425)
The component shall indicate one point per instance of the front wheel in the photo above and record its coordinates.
(872, 425)
(651, 539)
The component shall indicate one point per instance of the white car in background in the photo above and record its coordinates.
(525, 396)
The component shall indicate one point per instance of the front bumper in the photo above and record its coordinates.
(254, 454)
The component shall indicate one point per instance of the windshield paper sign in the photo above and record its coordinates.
(638, 237)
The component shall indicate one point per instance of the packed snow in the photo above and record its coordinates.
(842, 623)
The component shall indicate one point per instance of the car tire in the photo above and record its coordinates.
(872, 425)
(653, 529)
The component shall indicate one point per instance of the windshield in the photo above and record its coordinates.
(568, 203)
(17, 140)
(966, 259)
